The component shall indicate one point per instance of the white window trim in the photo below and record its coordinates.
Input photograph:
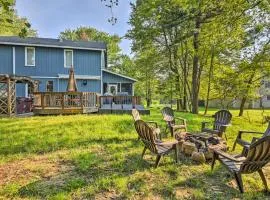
(66, 50)
(25, 56)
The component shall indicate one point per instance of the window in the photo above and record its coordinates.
(29, 56)
(126, 87)
(68, 58)
(268, 97)
(49, 86)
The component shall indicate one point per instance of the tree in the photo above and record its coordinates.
(11, 23)
(89, 33)
(111, 4)
(183, 32)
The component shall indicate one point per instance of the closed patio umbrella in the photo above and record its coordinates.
(72, 85)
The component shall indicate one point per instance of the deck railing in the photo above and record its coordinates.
(65, 100)
(121, 101)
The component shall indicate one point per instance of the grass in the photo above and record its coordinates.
(99, 157)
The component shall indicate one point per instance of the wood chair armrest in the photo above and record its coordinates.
(224, 125)
(206, 122)
(204, 125)
(254, 139)
(166, 143)
(226, 155)
(184, 121)
(250, 132)
(152, 122)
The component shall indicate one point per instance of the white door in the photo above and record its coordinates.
(112, 89)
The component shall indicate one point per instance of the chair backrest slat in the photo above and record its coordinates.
(146, 134)
(267, 131)
(222, 117)
(135, 115)
(257, 156)
(168, 114)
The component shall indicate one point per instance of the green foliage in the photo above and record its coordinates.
(11, 23)
(197, 39)
(89, 33)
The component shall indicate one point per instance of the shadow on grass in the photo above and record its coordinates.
(100, 175)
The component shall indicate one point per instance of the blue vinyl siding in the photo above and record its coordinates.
(20, 90)
(91, 86)
(43, 84)
(6, 56)
(50, 62)
(112, 78)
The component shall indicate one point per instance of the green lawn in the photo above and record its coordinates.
(99, 157)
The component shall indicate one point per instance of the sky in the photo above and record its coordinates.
(50, 17)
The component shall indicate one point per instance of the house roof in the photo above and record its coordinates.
(56, 43)
(127, 77)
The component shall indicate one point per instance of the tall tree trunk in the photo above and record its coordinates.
(211, 69)
(195, 70)
(148, 92)
(179, 92)
(242, 106)
(244, 99)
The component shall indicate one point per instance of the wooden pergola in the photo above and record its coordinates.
(8, 92)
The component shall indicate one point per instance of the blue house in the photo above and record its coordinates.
(49, 60)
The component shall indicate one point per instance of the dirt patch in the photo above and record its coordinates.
(31, 169)
(107, 195)
(182, 193)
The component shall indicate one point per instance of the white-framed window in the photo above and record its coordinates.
(30, 56)
(68, 58)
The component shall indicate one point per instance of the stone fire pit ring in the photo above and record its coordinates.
(199, 146)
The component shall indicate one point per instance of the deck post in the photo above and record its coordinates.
(9, 97)
(42, 101)
(133, 101)
(111, 102)
(81, 100)
(122, 99)
(63, 101)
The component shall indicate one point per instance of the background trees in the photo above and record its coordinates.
(199, 40)
(11, 23)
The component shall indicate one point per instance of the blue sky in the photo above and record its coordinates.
(50, 17)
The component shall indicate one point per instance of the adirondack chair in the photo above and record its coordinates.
(222, 120)
(151, 142)
(173, 123)
(245, 143)
(136, 116)
(257, 157)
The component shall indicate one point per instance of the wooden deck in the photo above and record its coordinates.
(55, 103)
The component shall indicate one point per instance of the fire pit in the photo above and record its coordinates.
(200, 145)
